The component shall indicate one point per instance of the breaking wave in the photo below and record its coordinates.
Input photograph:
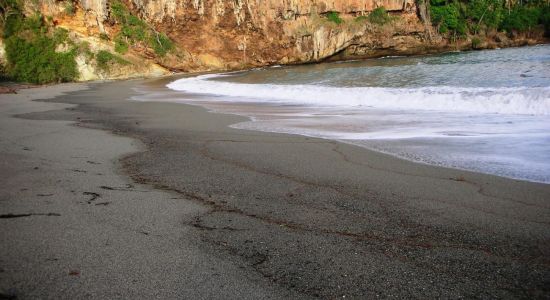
(518, 101)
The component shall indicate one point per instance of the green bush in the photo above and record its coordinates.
(487, 12)
(545, 20)
(379, 16)
(120, 45)
(18, 23)
(334, 17)
(31, 51)
(161, 43)
(134, 30)
(3, 73)
(12, 25)
(106, 59)
(36, 61)
(446, 16)
(119, 11)
(473, 16)
(135, 33)
(104, 36)
(70, 9)
(85, 48)
(10, 16)
(476, 42)
(521, 18)
(361, 19)
(474, 28)
(61, 35)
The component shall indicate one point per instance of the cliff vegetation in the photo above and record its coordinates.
(462, 18)
(64, 40)
(35, 51)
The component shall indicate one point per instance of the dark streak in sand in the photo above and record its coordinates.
(12, 216)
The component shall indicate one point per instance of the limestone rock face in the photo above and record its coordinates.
(233, 34)
(218, 35)
(99, 7)
(157, 10)
(242, 33)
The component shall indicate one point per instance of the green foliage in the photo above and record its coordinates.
(3, 73)
(12, 25)
(521, 18)
(334, 16)
(476, 42)
(545, 19)
(136, 33)
(106, 59)
(379, 16)
(37, 61)
(120, 45)
(9, 8)
(487, 12)
(446, 16)
(84, 48)
(31, 51)
(60, 35)
(104, 36)
(134, 30)
(17, 23)
(473, 16)
(70, 8)
(161, 44)
(361, 19)
(475, 28)
(119, 12)
(6, 5)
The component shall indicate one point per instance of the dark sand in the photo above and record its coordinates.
(216, 212)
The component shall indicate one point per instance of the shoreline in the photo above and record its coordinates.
(11, 87)
(255, 111)
(314, 218)
(245, 118)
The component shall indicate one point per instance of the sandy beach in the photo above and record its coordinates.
(103, 197)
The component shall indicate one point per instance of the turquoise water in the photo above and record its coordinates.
(486, 111)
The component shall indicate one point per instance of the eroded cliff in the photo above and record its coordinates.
(222, 35)
(235, 34)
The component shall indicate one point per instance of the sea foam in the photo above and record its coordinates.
(519, 101)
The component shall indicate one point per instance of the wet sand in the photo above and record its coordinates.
(201, 210)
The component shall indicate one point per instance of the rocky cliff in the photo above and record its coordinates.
(234, 34)
(221, 34)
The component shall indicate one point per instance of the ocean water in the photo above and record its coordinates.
(486, 111)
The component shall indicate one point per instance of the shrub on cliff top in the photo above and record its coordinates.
(487, 12)
(35, 60)
(8, 8)
(136, 31)
(379, 16)
(70, 9)
(521, 18)
(106, 59)
(476, 43)
(120, 45)
(161, 43)
(119, 11)
(446, 16)
(334, 17)
(545, 20)
(461, 17)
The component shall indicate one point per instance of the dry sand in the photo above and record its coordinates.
(216, 212)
